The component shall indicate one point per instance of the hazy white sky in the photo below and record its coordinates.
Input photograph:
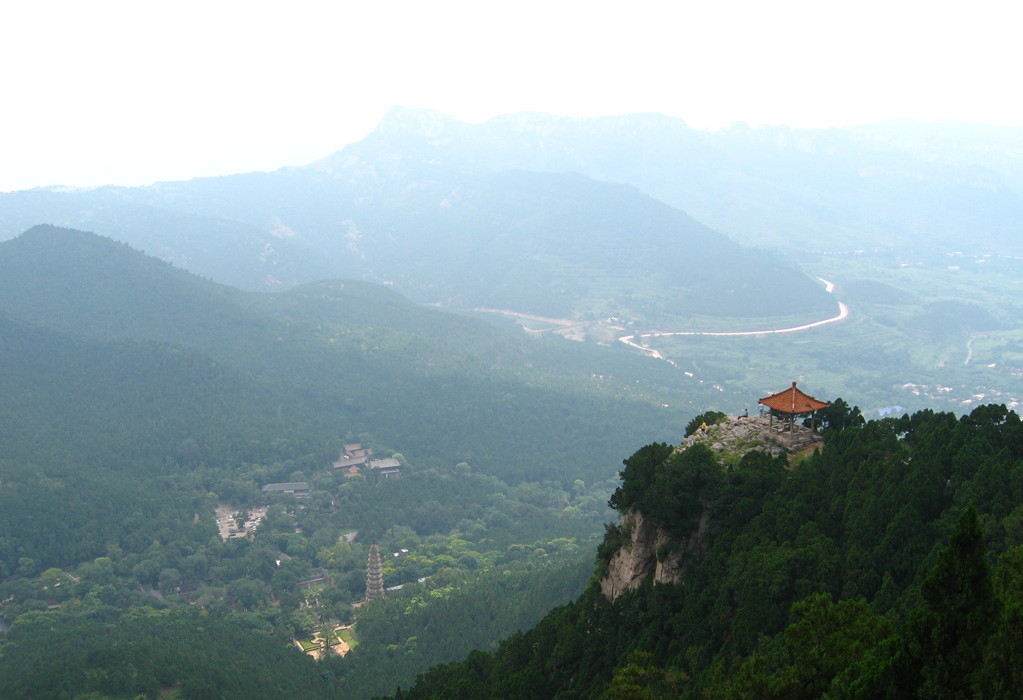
(133, 92)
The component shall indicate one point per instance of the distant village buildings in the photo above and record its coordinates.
(352, 458)
(316, 577)
(389, 468)
(355, 458)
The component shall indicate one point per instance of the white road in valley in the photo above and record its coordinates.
(843, 313)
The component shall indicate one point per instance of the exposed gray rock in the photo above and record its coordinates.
(651, 553)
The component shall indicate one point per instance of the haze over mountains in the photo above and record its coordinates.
(528, 214)
(630, 224)
(813, 189)
(409, 207)
(524, 212)
(168, 350)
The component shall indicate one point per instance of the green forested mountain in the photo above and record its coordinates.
(119, 367)
(350, 358)
(147, 652)
(141, 403)
(885, 565)
(138, 399)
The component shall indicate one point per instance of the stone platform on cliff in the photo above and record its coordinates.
(758, 432)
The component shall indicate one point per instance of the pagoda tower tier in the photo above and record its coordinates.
(374, 578)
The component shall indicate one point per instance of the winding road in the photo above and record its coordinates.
(843, 313)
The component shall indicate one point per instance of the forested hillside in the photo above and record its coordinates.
(176, 453)
(347, 358)
(145, 409)
(887, 564)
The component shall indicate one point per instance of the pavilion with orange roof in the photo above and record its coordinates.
(791, 403)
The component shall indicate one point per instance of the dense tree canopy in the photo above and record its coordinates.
(886, 565)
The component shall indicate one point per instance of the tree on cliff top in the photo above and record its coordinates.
(705, 418)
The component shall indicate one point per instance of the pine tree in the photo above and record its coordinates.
(960, 611)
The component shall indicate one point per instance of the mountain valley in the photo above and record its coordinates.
(500, 314)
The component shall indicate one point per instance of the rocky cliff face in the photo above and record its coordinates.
(651, 552)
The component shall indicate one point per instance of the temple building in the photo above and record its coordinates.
(790, 404)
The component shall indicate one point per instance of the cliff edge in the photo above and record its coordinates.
(661, 549)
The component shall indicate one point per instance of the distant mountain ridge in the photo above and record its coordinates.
(842, 188)
(579, 218)
(421, 216)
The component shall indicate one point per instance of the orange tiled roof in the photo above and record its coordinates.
(793, 401)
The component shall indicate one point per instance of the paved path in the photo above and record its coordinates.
(630, 340)
(843, 313)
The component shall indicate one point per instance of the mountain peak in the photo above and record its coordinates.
(83, 282)
(420, 122)
(45, 243)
